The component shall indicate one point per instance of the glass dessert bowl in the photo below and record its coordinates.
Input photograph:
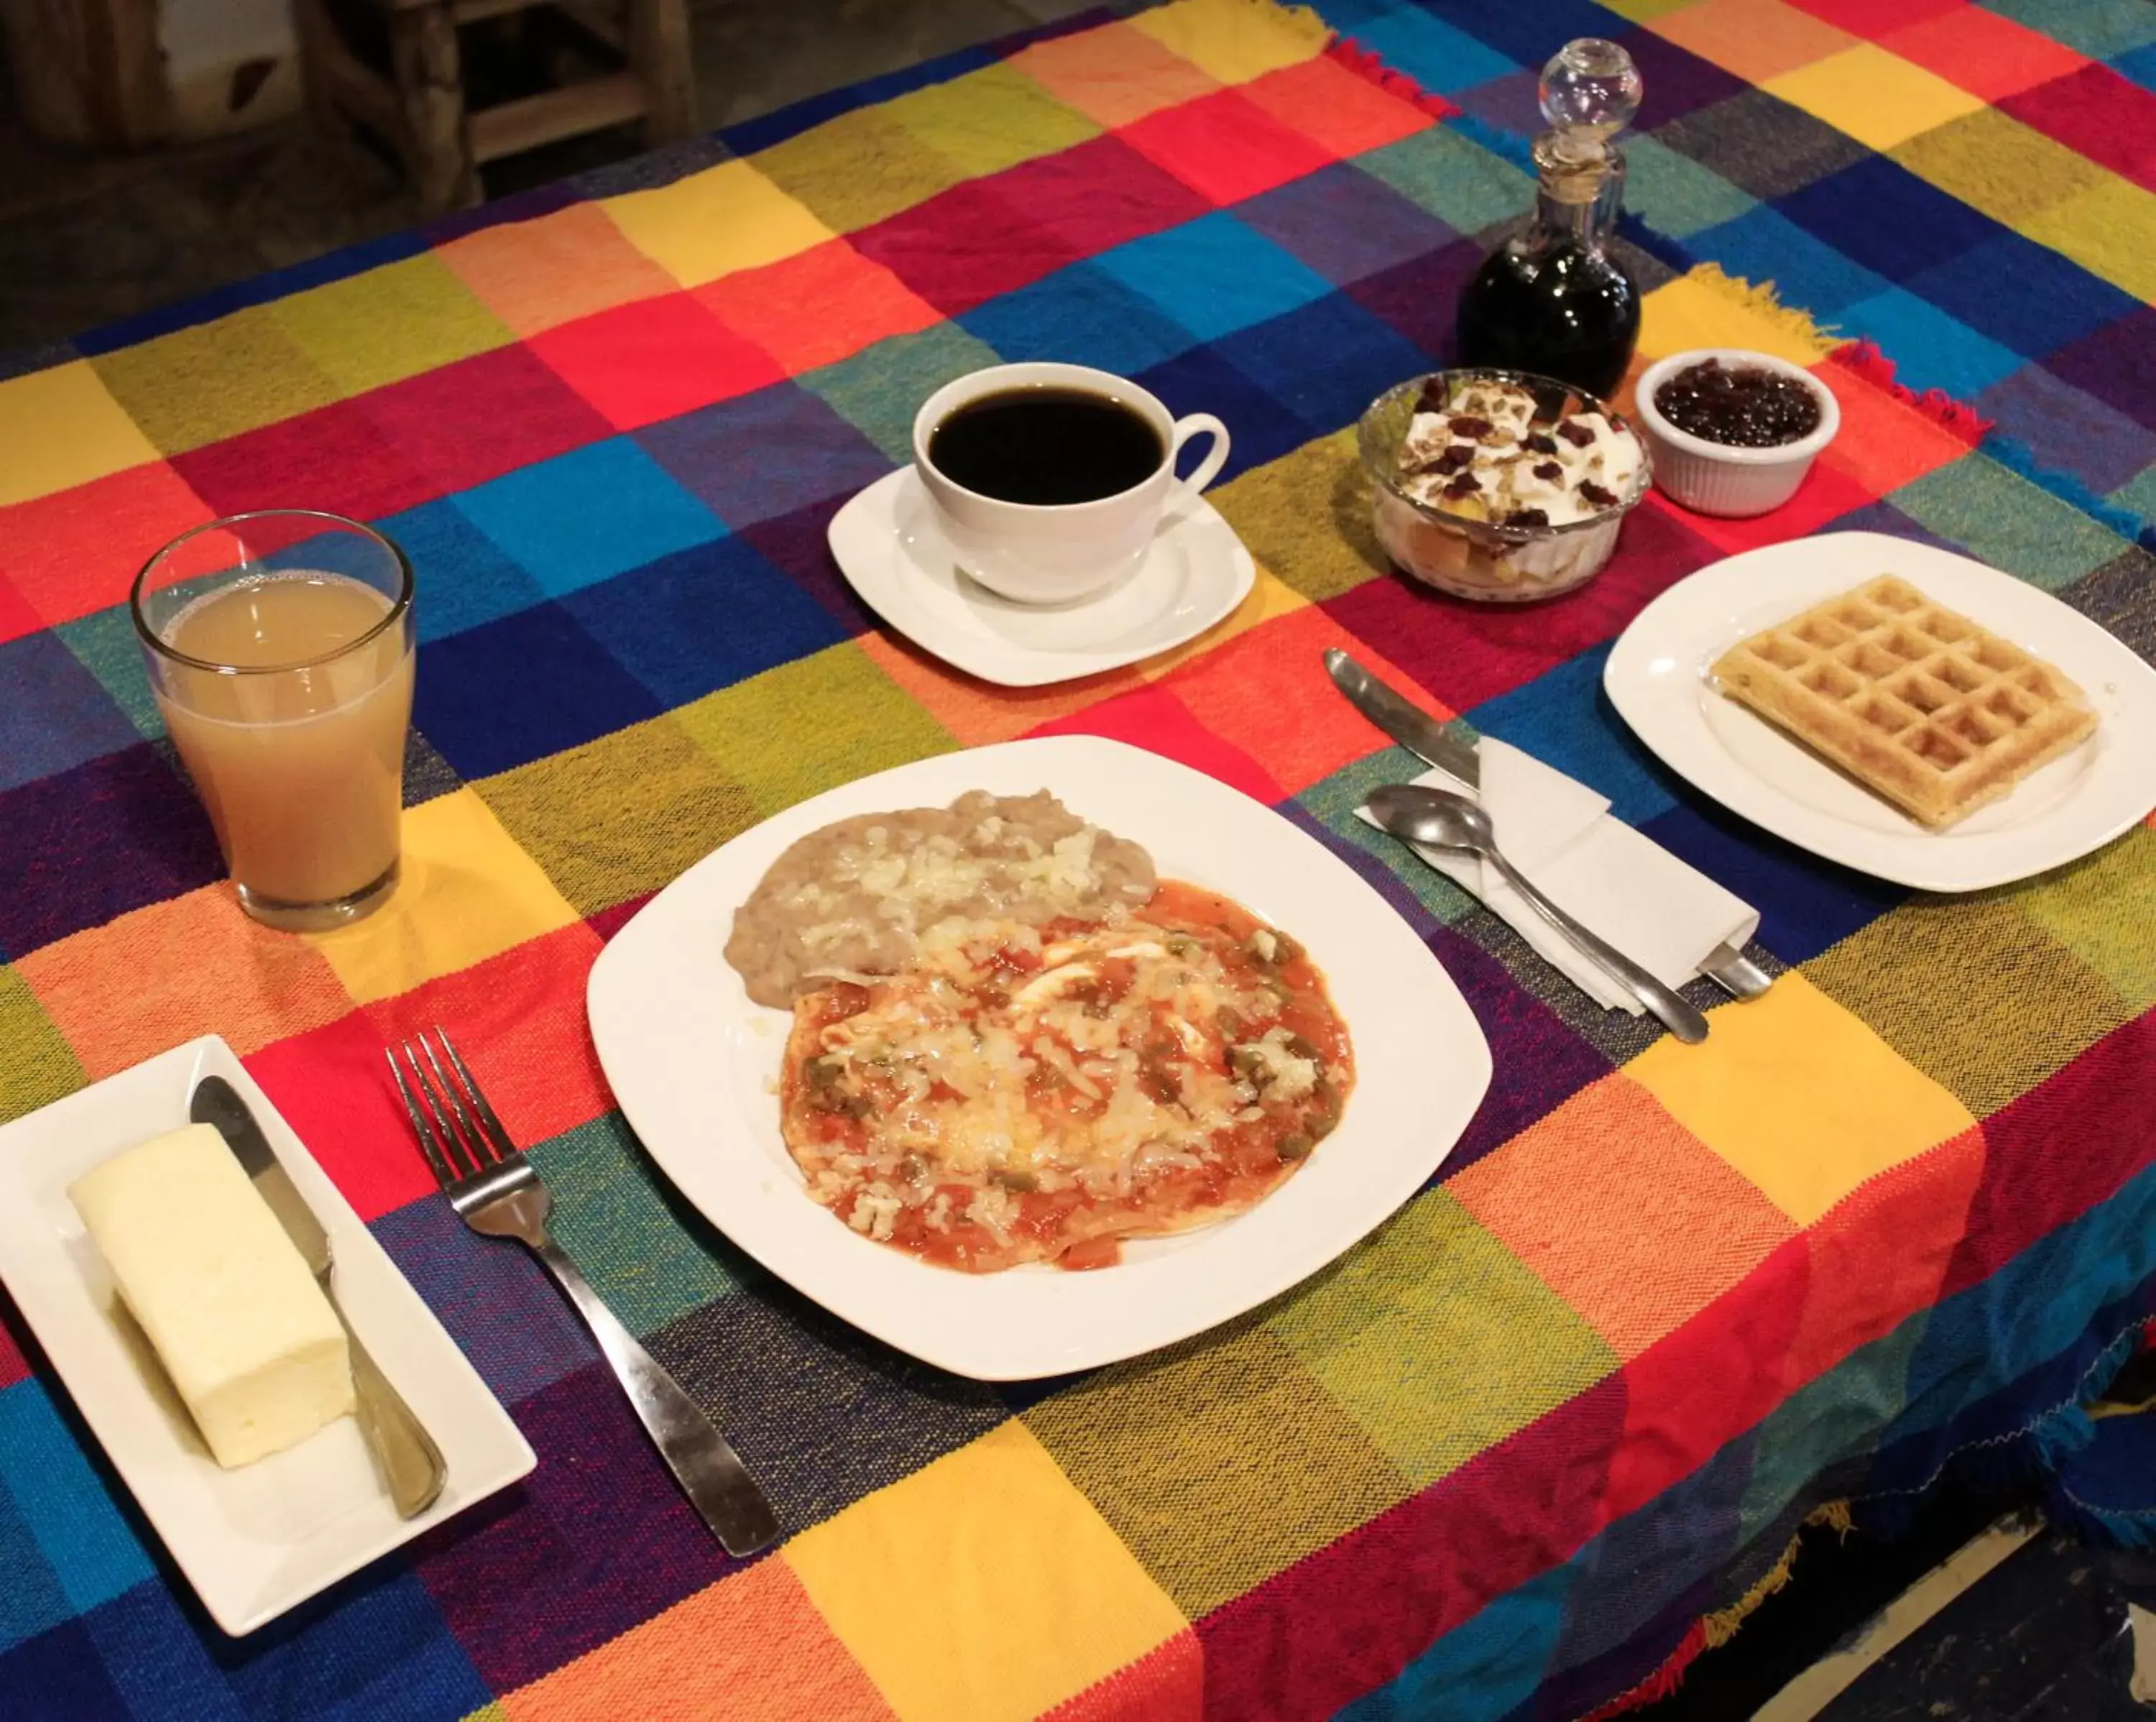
(1499, 486)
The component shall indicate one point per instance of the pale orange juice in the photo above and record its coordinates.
(297, 744)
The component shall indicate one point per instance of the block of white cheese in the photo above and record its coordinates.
(225, 1297)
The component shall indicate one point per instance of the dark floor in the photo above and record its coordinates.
(85, 240)
(2041, 1637)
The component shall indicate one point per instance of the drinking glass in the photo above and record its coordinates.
(280, 647)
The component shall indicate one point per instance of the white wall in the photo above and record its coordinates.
(207, 41)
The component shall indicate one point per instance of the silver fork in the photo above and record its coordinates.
(496, 1192)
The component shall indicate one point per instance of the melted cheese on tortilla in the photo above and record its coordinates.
(968, 1077)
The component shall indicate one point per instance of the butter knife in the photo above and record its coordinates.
(1422, 735)
(410, 1463)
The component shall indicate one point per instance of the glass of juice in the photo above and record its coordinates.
(280, 649)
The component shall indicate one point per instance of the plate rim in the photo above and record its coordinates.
(98, 1400)
(1683, 742)
(1044, 671)
(988, 1362)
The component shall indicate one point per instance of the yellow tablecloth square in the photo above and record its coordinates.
(1993, 162)
(61, 428)
(712, 224)
(1438, 1339)
(1877, 97)
(858, 169)
(467, 893)
(2109, 229)
(1234, 39)
(1800, 1096)
(982, 1588)
(390, 323)
(1696, 311)
(218, 379)
(861, 723)
(990, 120)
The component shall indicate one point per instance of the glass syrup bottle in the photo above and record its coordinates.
(1554, 299)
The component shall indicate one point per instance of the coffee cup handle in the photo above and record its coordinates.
(1198, 424)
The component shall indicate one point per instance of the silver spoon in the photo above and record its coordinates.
(1437, 818)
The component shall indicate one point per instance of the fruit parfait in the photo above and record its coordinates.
(1497, 484)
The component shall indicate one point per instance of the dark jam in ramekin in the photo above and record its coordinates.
(1742, 407)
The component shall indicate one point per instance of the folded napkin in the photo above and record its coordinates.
(1663, 914)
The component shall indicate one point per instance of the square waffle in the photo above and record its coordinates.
(1921, 706)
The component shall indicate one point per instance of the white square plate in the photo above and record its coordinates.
(695, 1064)
(257, 1540)
(1657, 679)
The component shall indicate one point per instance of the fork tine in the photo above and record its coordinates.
(503, 1143)
(477, 1143)
(466, 1160)
(420, 1127)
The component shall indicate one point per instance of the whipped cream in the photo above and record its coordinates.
(1478, 451)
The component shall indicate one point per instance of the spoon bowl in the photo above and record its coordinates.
(1438, 819)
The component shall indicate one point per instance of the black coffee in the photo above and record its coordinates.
(1046, 445)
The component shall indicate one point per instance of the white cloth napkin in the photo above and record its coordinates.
(1663, 914)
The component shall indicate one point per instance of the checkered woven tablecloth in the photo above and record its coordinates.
(1514, 1452)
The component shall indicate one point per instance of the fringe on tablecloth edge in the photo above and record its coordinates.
(1963, 422)
(2028, 1454)
(1763, 300)
(1367, 64)
(1713, 1631)
(1958, 419)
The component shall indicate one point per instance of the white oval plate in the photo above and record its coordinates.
(1657, 679)
(888, 548)
(695, 1064)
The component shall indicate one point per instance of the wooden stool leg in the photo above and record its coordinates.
(659, 55)
(430, 90)
(340, 91)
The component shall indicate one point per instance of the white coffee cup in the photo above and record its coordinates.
(1056, 553)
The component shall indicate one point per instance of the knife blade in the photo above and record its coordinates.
(1424, 736)
(410, 1463)
(216, 1101)
(1412, 728)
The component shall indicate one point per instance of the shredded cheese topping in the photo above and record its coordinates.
(1124, 1055)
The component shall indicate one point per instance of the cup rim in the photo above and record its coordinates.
(399, 606)
(1805, 448)
(1159, 413)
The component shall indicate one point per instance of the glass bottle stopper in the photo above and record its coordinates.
(1590, 90)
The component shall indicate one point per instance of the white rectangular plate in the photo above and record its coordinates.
(695, 1064)
(255, 1541)
(1657, 679)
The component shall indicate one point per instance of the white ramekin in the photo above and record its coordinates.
(1713, 478)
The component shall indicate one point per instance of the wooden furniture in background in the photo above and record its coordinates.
(88, 71)
(419, 107)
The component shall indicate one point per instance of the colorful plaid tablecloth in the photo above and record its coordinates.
(1535, 1440)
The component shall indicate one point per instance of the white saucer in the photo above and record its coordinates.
(1657, 677)
(888, 548)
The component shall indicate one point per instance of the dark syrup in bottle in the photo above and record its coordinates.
(1554, 299)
